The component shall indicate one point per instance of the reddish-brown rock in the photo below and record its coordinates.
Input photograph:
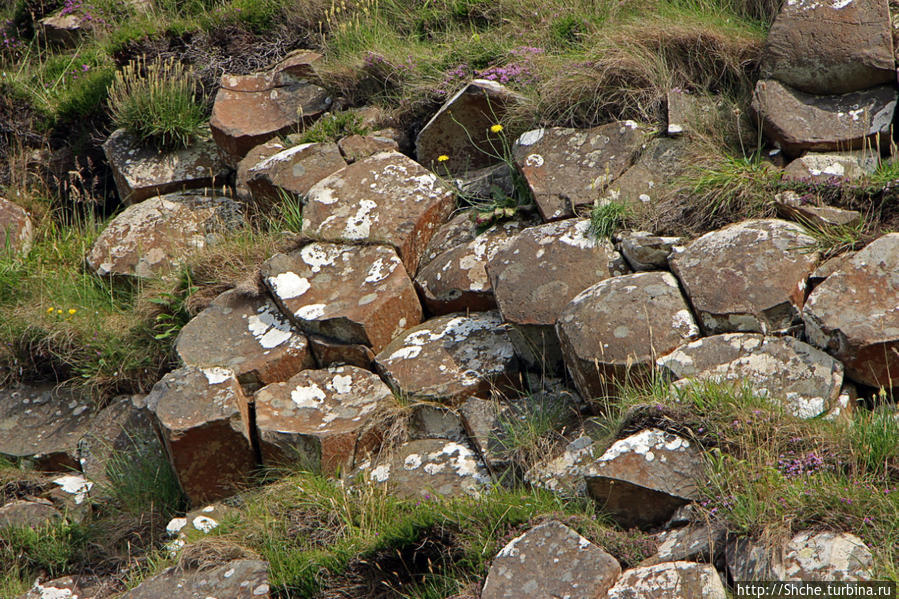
(293, 171)
(15, 229)
(254, 157)
(359, 147)
(793, 206)
(329, 352)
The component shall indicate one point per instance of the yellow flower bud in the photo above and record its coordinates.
(496, 128)
(442, 158)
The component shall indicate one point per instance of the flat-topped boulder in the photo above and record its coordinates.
(854, 314)
(247, 335)
(456, 280)
(613, 331)
(747, 277)
(352, 294)
(203, 416)
(663, 160)
(461, 128)
(798, 121)
(830, 46)
(566, 168)
(238, 579)
(320, 418)
(550, 560)
(152, 237)
(141, 171)
(64, 30)
(425, 468)
(16, 230)
(359, 147)
(670, 580)
(386, 199)
(293, 171)
(43, 425)
(449, 358)
(458, 230)
(804, 379)
(832, 167)
(537, 272)
(642, 479)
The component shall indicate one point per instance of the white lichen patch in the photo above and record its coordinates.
(268, 327)
(217, 375)
(74, 485)
(175, 525)
(311, 396)
(204, 524)
(380, 473)
(645, 443)
(311, 312)
(288, 285)
(529, 138)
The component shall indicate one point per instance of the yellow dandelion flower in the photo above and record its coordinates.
(72, 311)
(442, 158)
(50, 310)
(59, 311)
(496, 128)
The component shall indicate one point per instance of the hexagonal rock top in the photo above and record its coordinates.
(353, 294)
(248, 335)
(830, 46)
(550, 560)
(238, 579)
(806, 380)
(566, 168)
(456, 280)
(461, 128)
(319, 417)
(449, 358)
(141, 171)
(614, 331)
(423, 468)
(15, 228)
(854, 314)
(387, 199)
(43, 425)
(293, 170)
(537, 272)
(670, 580)
(641, 479)
(251, 109)
(800, 122)
(747, 277)
(151, 237)
(202, 415)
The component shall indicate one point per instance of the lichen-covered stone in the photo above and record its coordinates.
(195, 525)
(293, 171)
(255, 156)
(432, 421)
(645, 251)
(28, 514)
(793, 206)
(387, 198)
(352, 294)
(804, 379)
(359, 147)
(808, 556)
(150, 238)
(564, 474)
(747, 277)
(537, 272)
(669, 580)
(566, 168)
(69, 587)
(449, 358)
(141, 171)
(458, 230)
(203, 416)
(319, 417)
(329, 352)
(697, 543)
(613, 331)
(238, 579)
(16, 229)
(642, 479)
(661, 162)
(247, 335)
(64, 30)
(833, 167)
(550, 560)
(854, 314)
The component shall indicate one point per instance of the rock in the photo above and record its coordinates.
(700, 543)
(819, 167)
(645, 251)
(428, 467)
(386, 199)
(749, 276)
(833, 47)
(804, 379)
(252, 109)
(661, 162)
(853, 314)
(669, 580)
(203, 417)
(247, 335)
(797, 121)
(254, 157)
(791, 205)
(642, 479)
(484, 183)
(748, 560)
(16, 229)
(456, 280)
(430, 421)
(612, 332)
(238, 579)
(298, 64)
(195, 525)
(359, 147)
(329, 352)
(141, 171)
(68, 587)
(43, 425)
(565, 474)
(318, 418)
(827, 268)
(449, 358)
(536, 273)
(680, 106)
(459, 230)
(481, 419)
(150, 238)
(826, 556)
(28, 514)
(64, 30)
(352, 294)
(461, 128)
(70, 494)
(293, 171)
(120, 442)
(550, 560)
(566, 168)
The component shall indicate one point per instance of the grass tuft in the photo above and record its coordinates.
(608, 217)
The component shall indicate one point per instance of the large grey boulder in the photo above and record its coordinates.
(669, 580)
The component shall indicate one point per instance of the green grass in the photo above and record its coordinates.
(607, 218)
(332, 127)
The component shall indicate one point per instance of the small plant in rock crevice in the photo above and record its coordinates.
(608, 217)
